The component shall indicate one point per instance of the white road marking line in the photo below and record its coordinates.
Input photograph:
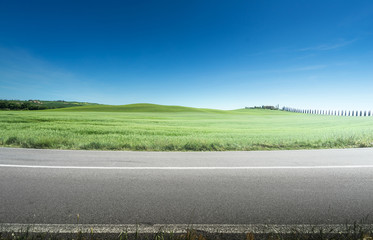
(179, 228)
(185, 168)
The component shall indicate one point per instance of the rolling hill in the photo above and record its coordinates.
(154, 108)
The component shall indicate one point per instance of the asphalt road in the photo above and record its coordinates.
(276, 187)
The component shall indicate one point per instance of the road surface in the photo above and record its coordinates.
(275, 187)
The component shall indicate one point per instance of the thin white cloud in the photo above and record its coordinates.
(271, 51)
(20, 66)
(326, 47)
(23, 75)
(292, 69)
(267, 72)
(305, 68)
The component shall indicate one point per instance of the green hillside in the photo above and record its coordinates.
(155, 108)
(138, 107)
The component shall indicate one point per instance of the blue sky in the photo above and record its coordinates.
(215, 54)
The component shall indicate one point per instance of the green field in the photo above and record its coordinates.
(172, 128)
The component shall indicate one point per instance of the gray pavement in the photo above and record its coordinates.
(313, 187)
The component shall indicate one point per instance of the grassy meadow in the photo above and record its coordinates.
(146, 127)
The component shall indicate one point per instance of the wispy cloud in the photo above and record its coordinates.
(297, 69)
(24, 75)
(305, 68)
(270, 71)
(19, 66)
(326, 47)
(270, 52)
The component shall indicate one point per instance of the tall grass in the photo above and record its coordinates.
(181, 130)
(355, 232)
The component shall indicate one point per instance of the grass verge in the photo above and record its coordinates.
(350, 232)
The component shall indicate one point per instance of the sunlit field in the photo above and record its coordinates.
(145, 127)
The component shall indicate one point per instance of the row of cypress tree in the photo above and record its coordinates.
(357, 113)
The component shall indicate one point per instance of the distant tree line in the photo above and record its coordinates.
(15, 105)
(264, 107)
(38, 104)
